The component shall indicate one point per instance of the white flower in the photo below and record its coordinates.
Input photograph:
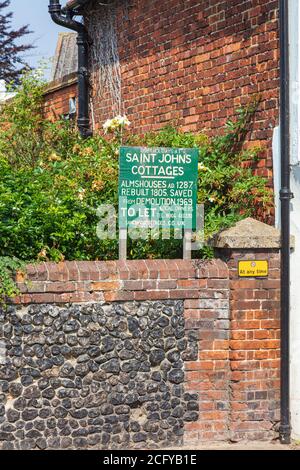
(212, 199)
(81, 194)
(122, 121)
(107, 125)
(202, 167)
(117, 122)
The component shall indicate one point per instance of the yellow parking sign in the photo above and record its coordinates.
(253, 268)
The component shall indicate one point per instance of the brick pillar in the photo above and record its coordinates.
(254, 346)
(207, 317)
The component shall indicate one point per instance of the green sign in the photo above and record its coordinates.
(158, 187)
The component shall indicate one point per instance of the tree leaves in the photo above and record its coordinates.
(12, 61)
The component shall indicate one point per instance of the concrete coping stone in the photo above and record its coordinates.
(249, 234)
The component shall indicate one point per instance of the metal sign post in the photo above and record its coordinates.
(187, 244)
(122, 244)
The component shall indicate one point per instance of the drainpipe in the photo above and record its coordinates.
(64, 17)
(285, 197)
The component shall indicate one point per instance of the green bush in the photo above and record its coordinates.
(9, 267)
(52, 181)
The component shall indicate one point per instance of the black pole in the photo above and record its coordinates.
(65, 18)
(285, 197)
(83, 85)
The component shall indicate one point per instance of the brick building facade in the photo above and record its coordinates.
(193, 63)
(61, 93)
(57, 96)
(190, 64)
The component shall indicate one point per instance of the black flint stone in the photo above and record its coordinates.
(95, 376)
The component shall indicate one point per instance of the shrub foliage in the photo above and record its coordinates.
(52, 181)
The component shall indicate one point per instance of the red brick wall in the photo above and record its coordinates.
(209, 376)
(192, 63)
(254, 348)
(57, 96)
(236, 324)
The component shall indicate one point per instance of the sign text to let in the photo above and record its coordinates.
(158, 188)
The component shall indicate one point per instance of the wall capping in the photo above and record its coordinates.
(56, 85)
(249, 234)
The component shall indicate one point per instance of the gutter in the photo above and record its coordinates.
(285, 197)
(64, 17)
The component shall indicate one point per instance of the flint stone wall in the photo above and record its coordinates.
(141, 354)
(96, 375)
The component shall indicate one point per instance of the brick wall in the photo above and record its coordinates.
(57, 96)
(228, 349)
(209, 375)
(192, 63)
(254, 348)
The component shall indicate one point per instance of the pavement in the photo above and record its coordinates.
(241, 446)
